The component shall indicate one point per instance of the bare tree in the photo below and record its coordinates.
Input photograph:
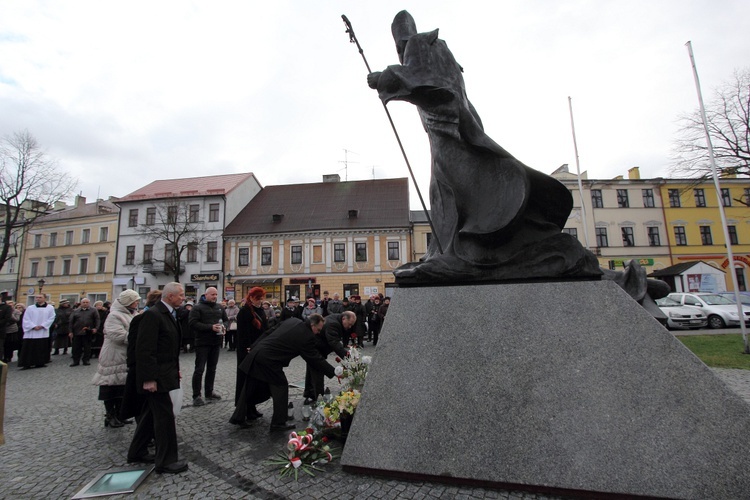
(30, 182)
(174, 225)
(728, 119)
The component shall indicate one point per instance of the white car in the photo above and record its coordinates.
(721, 311)
(679, 316)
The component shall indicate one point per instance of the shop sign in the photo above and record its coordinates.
(737, 258)
(643, 262)
(204, 277)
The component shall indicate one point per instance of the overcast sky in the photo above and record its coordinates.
(125, 93)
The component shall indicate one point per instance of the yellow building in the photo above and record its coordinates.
(70, 252)
(695, 228)
(304, 239)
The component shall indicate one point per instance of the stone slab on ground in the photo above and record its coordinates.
(559, 387)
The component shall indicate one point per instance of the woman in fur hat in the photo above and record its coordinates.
(112, 370)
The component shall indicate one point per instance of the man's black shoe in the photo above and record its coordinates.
(173, 468)
(86, 363)
(282, 427)
(75, 364)
(148, 458)
(253, 413)
(243, 424)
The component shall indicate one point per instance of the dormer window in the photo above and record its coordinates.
(353, 214)
(277, 217)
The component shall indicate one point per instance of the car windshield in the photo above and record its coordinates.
(716, 300)
(667, 302)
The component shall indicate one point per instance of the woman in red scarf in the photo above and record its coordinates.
(251, 323)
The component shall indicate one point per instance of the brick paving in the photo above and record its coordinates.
(56, 442)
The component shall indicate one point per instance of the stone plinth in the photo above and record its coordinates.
(563, 387)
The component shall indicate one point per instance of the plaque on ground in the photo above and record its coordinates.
(566, 387)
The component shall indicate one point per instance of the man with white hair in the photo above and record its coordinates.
(84, 323)
(157, 371)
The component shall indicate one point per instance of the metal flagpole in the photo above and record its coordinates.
(353, 39)
(730, 256)
(578, 170)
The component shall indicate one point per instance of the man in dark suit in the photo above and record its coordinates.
(336, 327)
(157, 354)
(265, 363)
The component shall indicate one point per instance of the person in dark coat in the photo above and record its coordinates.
(84, 323)
(157, 371)
(292, 309)
(251, 323)
(328, 340)
(183, 317)
(133, 401)
(355, 305)
(207, 320)
(265, 363)
(62, 327)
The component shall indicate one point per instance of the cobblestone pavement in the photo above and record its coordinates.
(56, 442)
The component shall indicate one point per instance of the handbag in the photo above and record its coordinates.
(176, 397)
(232, 325)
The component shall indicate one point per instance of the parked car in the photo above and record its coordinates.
(744, 297)
(721, 311)
(679, 316)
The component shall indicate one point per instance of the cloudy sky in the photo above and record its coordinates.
(124, 93)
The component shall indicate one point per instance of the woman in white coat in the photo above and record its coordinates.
(112, 369)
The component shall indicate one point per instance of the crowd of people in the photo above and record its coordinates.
(139, 352)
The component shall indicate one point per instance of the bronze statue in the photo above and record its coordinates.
(494, 217)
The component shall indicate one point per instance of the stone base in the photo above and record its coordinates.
(560, 387)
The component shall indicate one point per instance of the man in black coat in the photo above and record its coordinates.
(265, 363)
(336, 327)
(207, 321)
(157, 371)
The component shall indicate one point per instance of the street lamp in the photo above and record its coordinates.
(41, 283)
(229, 277)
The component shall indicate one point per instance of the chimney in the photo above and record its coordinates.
(634, 173)
(80, 200)
(332, 178)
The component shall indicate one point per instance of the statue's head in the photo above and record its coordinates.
(403, 28)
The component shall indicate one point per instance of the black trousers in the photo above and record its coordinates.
(156, 421)
(206, 358)
(314, 383)
(81, 344)
(280, 396)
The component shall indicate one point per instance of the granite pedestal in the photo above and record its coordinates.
(564, 387)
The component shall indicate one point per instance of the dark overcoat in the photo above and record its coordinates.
(157, 352)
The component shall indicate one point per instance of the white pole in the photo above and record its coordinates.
(578, 170)
(730, 256)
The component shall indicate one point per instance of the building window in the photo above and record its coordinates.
(37, 240)
(360, 252)
(34, 269)
(53, 239)
(151, 216)
(212, 251)
(266, 258)
(148, 254)
(66, 267)
(213, 212)
(101, 264)
(133, 217)
(83, 266)
(296, 254)
(194, 213)
(50, 268)
(571, 231)
(733, 240)
(601, 237)
(130, 255)
(627, 237)
(243, 257)
(700, 198)
(674, 198)
(68, 238)
(653, 237)
(339, 252)
(317, 254)
(741, 284)
(747, 197)
(103, 233)
(192, 252)
(169, 260)
(706, 238)
(680, 239)
(648, 198)
(393, 250)
(622, 198)
(172, 214)
(85, 236)
(726, 198)
(596, 198)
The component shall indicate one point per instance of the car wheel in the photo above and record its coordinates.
(715, 322)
